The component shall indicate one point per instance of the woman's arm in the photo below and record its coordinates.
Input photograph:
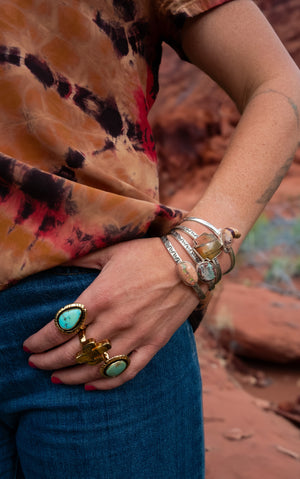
(236, 46)
(138, 300)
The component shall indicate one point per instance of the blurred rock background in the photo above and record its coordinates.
(249, 341)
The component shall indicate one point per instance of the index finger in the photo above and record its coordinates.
(66, 323)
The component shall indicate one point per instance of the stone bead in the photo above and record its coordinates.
(69, 318)
(208, 246)
(115, 368)
(227, 237)
(228, 234)
(206, 271)
(187, 273)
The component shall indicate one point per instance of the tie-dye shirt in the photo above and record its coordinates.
(78, 168)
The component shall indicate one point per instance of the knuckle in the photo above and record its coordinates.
(69, 357)
(54, 336)
(124, 322)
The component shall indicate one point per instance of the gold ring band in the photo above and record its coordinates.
(92, 352)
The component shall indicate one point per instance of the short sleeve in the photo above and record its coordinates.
(173, 13)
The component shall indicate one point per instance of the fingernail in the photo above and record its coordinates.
(26, 349)
(89, 387)
(32, 365)
(55, 380)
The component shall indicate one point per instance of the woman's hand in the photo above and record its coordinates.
(137, 302)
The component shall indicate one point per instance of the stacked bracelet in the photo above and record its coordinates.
(209, 271)
(208, 244)
(204, 251)
(185, 269)
(223, 236)
(190, 251)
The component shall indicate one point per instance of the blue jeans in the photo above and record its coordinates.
(151, 427)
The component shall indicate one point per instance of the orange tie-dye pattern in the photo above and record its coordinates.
(78, 168)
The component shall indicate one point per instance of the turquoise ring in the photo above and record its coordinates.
(70, 319)
(114, 366)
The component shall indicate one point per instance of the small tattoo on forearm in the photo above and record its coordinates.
(267, 195)
(290, 101)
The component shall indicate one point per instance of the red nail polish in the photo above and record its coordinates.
(26, 349)
(32, 365)
(56, 380)
(89, 387)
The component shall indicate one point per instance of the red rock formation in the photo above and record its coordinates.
(255, 322)
(193, 118)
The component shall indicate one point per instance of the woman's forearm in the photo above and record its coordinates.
(237, 47)
(258, 157)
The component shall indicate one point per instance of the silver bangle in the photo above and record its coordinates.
(232, 259)
(200, 261)
(186, 246)
(188, 231)
(208, 273)
(218, 268)
(218, 233)
(211, 227)
(172, 251)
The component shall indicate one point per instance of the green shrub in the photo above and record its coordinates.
(275, 243)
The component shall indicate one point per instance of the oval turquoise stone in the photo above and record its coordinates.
(69, 319)
(116, 368)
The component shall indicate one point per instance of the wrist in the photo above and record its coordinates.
(222, 257)
(197, 256)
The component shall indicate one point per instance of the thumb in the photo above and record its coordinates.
(95, 260)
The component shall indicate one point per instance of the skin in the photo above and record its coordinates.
(138, 300)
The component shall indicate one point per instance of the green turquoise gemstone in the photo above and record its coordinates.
(69, 319)
(206, 271)
(115, 368)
